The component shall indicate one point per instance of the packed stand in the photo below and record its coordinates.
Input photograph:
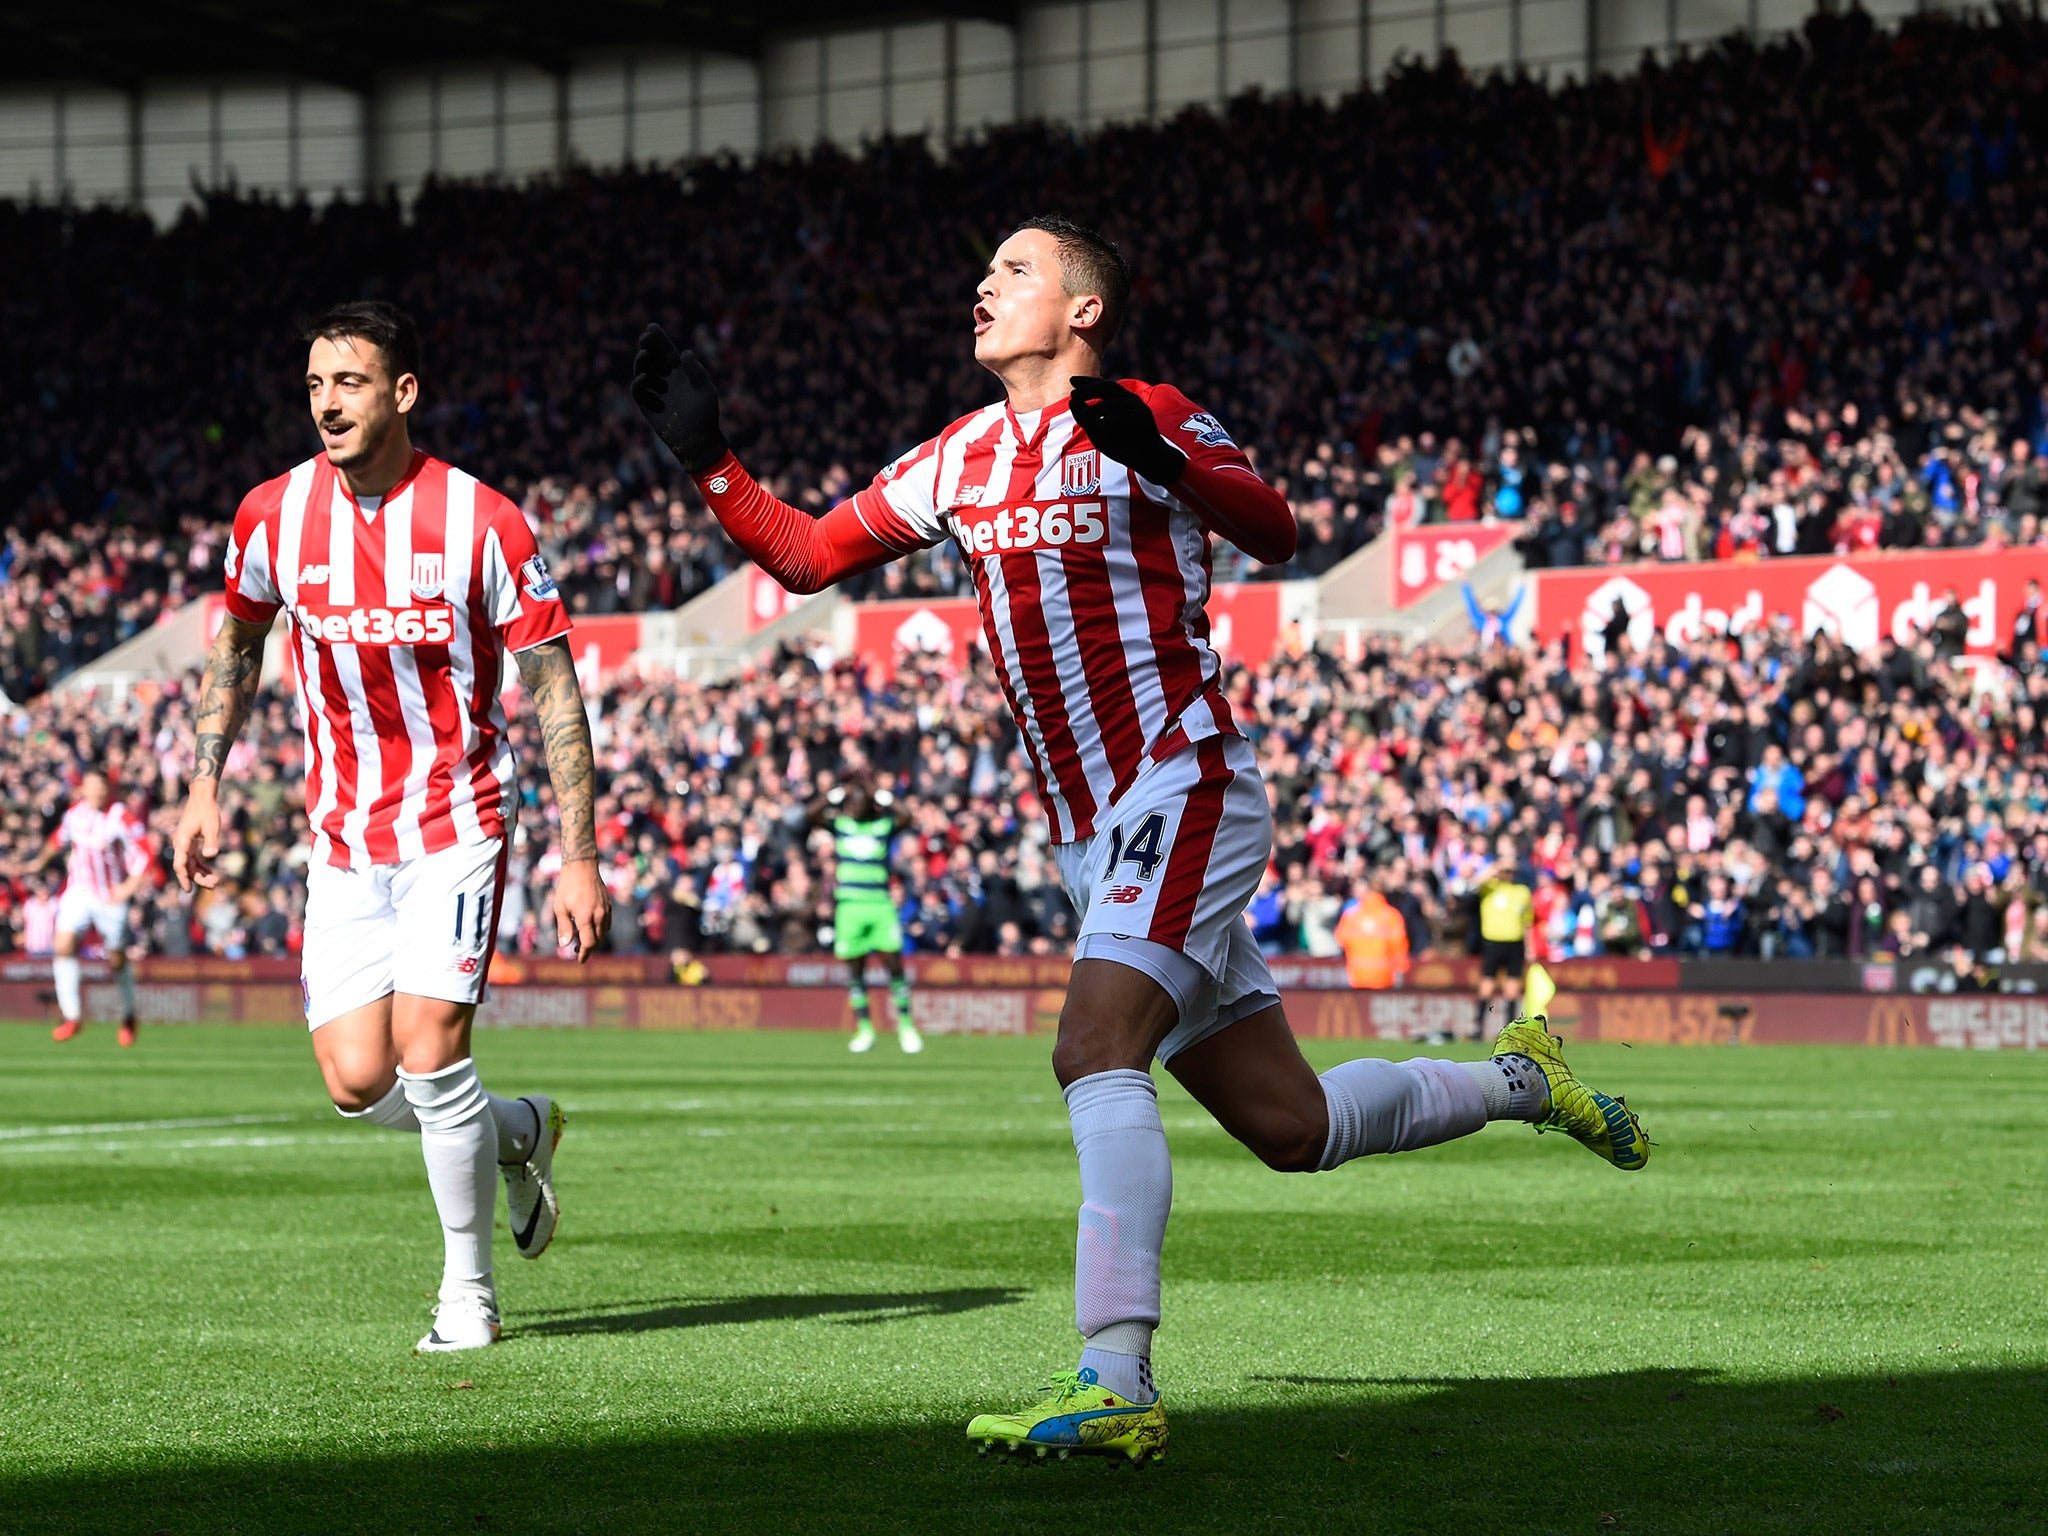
(1761, 797)
(1756, 299)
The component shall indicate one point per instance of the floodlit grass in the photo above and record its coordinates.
(786, 1277)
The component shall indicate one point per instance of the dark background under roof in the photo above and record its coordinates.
(123, 42)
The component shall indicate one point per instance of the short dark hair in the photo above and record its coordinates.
(385, 326)
(1090, 263)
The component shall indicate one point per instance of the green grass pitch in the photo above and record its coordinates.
(786, 1277)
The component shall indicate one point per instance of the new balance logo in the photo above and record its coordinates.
(1122, 895)
(312, 575)
(465, 965)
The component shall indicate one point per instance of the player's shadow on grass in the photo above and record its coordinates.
(1670, 1452)
(881, 1307)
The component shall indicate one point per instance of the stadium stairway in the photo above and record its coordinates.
(1356, 597)
(713, 635)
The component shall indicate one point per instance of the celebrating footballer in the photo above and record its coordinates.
(1084, 507)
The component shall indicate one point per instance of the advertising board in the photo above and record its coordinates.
(1859, 599)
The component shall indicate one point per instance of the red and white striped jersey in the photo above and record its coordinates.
(400, 618)
(39, 924)
(105, 848)
(1093, 585)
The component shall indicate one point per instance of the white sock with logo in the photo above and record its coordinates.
(1397, 1106)
(459, 1142)
(66, 971)
(1126, 1194)
(1513, 1086)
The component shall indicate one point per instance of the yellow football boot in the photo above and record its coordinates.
(1076, 1414)
(1608, 1126)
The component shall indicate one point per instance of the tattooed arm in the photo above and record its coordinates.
(583, 907)
(234, 669)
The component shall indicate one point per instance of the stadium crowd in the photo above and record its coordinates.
(1760, 299)
(1760, 796)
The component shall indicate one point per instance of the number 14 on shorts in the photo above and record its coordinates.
(1142, 851)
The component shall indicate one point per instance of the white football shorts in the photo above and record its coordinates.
(425, 927)
(78, 909)
(1162, 884)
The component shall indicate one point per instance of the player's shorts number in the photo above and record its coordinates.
(1143, 850)
(483, 918)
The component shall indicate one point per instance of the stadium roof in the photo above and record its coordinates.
(123, 42)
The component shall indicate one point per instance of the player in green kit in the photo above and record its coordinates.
(864, 924)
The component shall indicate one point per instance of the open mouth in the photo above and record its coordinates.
(982, 319)
(336, 431)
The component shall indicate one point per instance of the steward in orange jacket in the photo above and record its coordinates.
(1374, 940)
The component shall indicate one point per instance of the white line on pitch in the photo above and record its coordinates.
(1788, 1114)
(205, 1143)
(197, 1123)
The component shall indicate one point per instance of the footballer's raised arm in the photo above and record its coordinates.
(1171, 443)
(804, 553)
(1219, 484)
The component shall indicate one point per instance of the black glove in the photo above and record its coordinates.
(678, 399)
(1121, 425)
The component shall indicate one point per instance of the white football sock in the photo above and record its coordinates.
(516, 1121)
(1126, 1193)
(126, 977)
(393, 1111)
(1513, 1086)
(518, 1125)
(1397, 1106)
(66, 970)
(1128, 1376)
(459, 1141)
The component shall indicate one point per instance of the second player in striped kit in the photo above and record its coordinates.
(405, 582)
(1084, 508)
(102, 843)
